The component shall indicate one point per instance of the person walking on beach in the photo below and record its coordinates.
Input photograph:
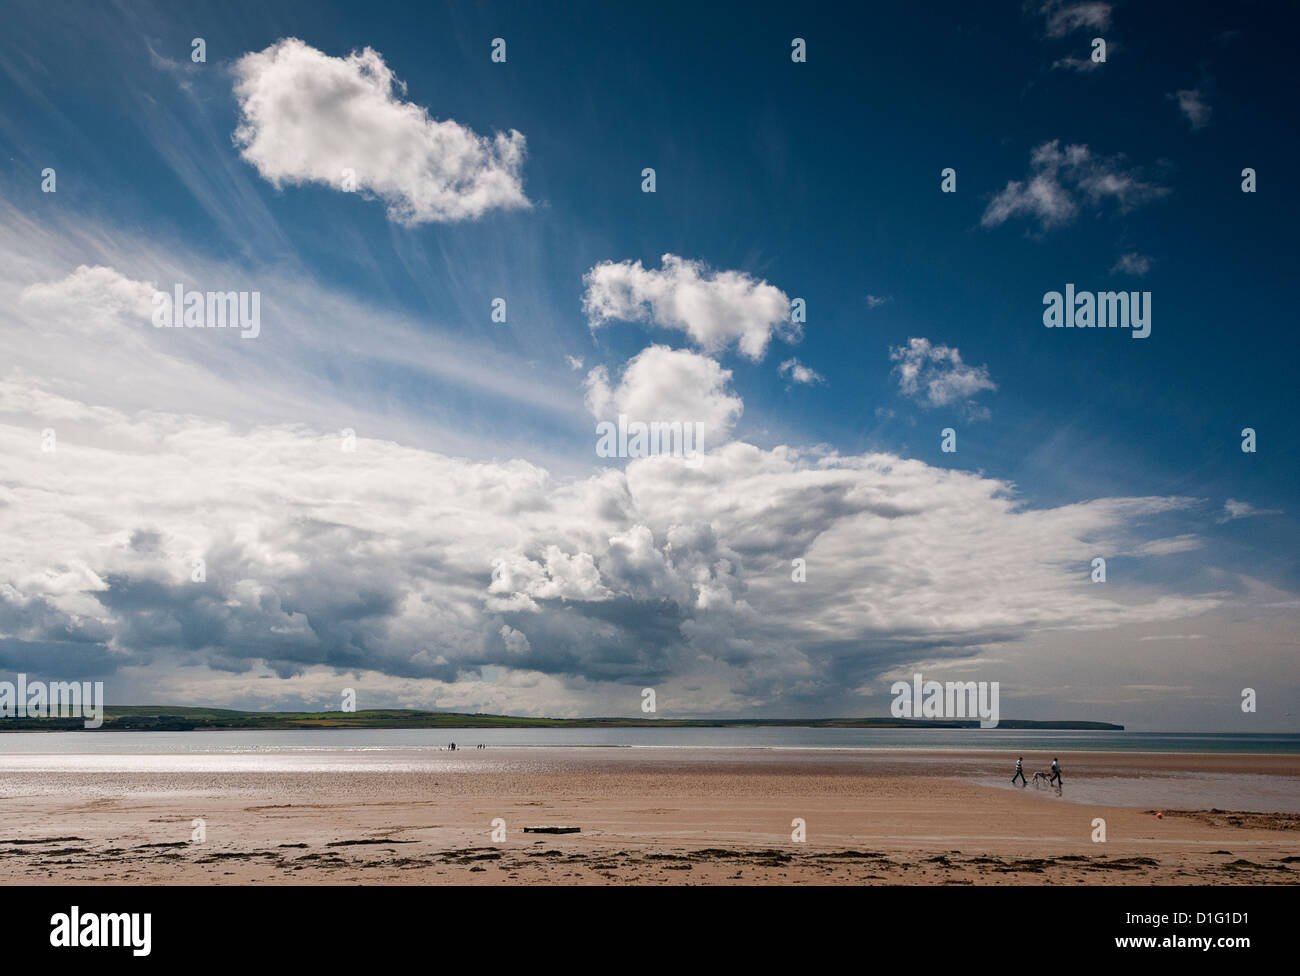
(1056, 774)
(1020, 772)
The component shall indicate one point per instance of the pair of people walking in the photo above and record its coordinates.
(1020, 773)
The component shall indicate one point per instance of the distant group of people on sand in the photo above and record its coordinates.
(452, 747)
(1054, 778)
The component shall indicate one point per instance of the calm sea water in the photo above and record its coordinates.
(134, 743)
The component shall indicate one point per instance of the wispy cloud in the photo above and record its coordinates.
(80, 294)
(937, 377)
(1168, 547)
(797, 372)
(1194, 106)
(1073, 62)
(1233, 509)
(1132, 263)
(1061, 17)
(1062, 181)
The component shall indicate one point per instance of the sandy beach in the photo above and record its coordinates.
(646, 817)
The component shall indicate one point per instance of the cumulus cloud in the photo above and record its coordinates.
(92, 301)
(937, 377)
(714, 308)
(1192, 103)
(1132, 263)
(667, 385)
(423, 577)
(797, 372)
(306, 117)
(1061, 181)
(1061, 17)
(515, 640)
(320, 559)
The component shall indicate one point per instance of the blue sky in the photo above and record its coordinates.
(820, 180)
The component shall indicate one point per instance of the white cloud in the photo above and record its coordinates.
(875, 301)
(799, 373)
(1132, 263)
(1061, 180)
(575, 362)
(92, 301)
(668, 385)
(395, 568)
(1061, 17)
(1192, 103)
(515, 640)
(1233, 509)
(715, 308)
(1074, 63)
(937, 376)
(79, 308)
(1167, 547)
(318, 558)
(182, 71)
(307, 117)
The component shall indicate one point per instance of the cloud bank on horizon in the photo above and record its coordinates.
(419, 566)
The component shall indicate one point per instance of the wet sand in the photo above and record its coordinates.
(647, 816)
